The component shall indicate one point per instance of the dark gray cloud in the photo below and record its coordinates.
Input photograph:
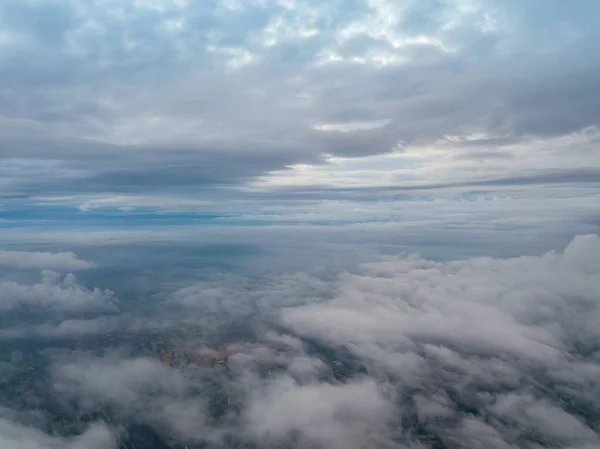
(129, 83)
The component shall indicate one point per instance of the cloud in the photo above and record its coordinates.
(15, 436)
(141, 390)
(67, 329)
(183, 97)
(180, 403)
(475, 353)
(62, 261)
(56, 294)
(351, 415)
(240, 296)
(476, 331)
(264, 150)
(400, 352)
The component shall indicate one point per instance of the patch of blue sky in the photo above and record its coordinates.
(65, 217)
(591, 188)
(68, 216)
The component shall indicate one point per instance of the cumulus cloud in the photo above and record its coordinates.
(241, 296)
(514, 340)
(294, 406)
(56, 293)
(401, 352)
(353, 415)
(17, 436)
(498, 298)
(60, 261)
(140, 390)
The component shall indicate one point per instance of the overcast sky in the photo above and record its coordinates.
(299, 112)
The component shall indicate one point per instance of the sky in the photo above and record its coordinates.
(162, 114)
(412, 183)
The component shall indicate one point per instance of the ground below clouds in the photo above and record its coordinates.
(401, 352)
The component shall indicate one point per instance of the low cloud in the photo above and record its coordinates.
(293, 406)
(57, 293)
(67, 329)
(61, 261)
(139, 390)
(402, 352)
(352, 415)
(514, 340)
(14, 435)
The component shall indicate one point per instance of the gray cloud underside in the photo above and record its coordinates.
(185, 169)
(238, 125)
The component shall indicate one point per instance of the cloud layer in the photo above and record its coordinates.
(229, 166)
(401, 352)
(15, 436)
(513, 340)
(177, 98)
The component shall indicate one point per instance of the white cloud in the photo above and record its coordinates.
(351, 126)
(488, 324)
(482, 303)
(141, 389)
(16, 436)
(54, 293)
(481, 352)
(544, 417)
(62, 261)
(160, 5)
(343, 416)
(237, 57)
(445, 162)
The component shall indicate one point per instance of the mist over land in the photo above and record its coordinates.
(299, 224)
(402, 351)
